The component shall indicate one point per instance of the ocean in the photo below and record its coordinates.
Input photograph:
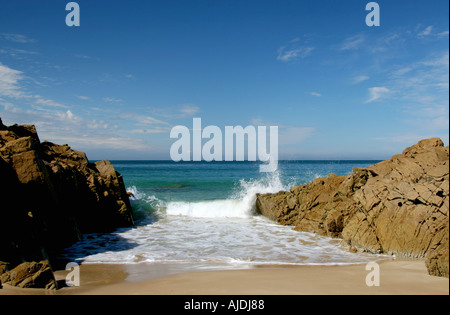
(202, 213)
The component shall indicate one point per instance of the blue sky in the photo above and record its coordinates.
(338, 89)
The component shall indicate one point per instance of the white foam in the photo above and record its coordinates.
(209, 209)
(241, 204)
(136, 195)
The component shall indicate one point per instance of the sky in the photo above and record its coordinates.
(116, 85)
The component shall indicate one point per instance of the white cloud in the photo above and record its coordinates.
(9, 82)
(188, 110)
(295, 49)
(150, 131)
(287, 55)
(376, 93)
(438, 61)
(352, 43)
(147, 120)
(18, 38)
(67, 127)
(402, 71)
(19, 54)
(425, 32)
(142, 119)
(56, 122)
(111, 100)
(315, 94)
(423, 82)
(360, 78)
(79, 56)
(84, 98)
(10, 86)
(49, 103)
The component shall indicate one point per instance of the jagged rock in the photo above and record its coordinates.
(31, 275)
(398, 206)
(51, 194)
(2, 126)
(3, 266)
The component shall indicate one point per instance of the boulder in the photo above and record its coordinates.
(31, 275)
(398, 206)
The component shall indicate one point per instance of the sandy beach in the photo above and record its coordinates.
(399, 277)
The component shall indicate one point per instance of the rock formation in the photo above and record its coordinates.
(398, 206)
(31, 275)
(50, 195)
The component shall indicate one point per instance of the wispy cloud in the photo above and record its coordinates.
(111, 100)
(188, 110)
(295, 49)
(315, 94)
(80, 56)
(170, 113)
(376, 93)
(142, 121)
(19, 54)
(84, 98)
(287, 55)
(148, 120)
(18, 38)
(443, 34)
(423, 82)
(352, 43)
(10, 82)
(425, 32)
(151, 130)
(64, 126)
(360, 78)
(11, 86)
(49, 103)
(430, 32)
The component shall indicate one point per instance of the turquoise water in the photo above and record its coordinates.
(200, 212)
(168, 181)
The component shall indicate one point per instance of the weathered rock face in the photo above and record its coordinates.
(31, 275)
(51, 194)
(323, 206)
(399, 206)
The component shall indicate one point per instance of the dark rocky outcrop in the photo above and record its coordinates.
(31, 275)
(51, 194)
(398, 206)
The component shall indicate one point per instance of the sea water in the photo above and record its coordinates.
(204, 213)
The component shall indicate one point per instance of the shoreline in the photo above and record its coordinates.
(397, 277)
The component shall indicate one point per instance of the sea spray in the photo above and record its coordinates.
(241, 203)
(248, 189)
(146, 209)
